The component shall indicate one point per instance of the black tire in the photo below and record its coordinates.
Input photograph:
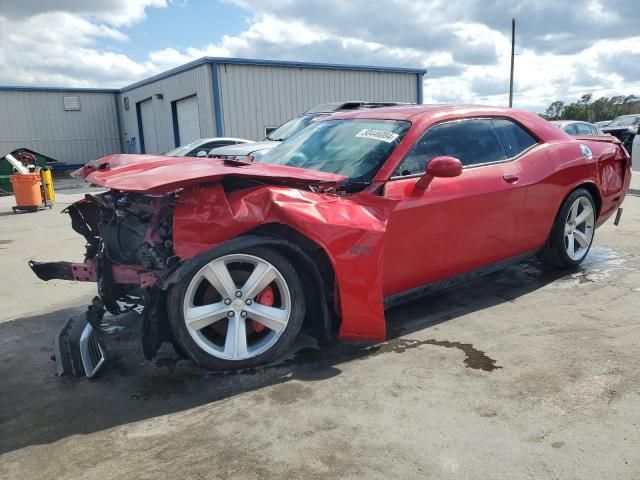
(183, 338)
(554, 252)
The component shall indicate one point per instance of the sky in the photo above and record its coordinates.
(563, 49)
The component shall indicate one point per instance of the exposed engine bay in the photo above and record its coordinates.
(129, 246)
(129, 250)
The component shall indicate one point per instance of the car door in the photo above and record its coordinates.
(457, 224)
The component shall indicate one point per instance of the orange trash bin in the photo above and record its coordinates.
(26, 188)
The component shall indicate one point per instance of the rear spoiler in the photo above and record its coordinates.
(599, 138)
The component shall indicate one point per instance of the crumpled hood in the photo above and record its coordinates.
(155, 174)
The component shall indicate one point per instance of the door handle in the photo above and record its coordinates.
(510, 177)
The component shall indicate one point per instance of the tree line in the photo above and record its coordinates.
(590, 110)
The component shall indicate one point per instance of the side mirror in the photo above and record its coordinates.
(443, 167)
(201, 153)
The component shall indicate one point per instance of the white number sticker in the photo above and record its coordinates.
(388, 137)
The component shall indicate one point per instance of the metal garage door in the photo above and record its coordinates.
(188, 120)
(148, 124)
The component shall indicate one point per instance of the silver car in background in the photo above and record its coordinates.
(201, 147)
(577, 128)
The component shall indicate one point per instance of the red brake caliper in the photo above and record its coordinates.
(265, 297)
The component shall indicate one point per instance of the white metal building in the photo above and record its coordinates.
(206, 98)
(70, 125)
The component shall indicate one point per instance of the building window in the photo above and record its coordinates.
(71, 104)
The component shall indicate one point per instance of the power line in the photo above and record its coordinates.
(513, 47)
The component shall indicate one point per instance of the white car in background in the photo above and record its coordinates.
(200, 148)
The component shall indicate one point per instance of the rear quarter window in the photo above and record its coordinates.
(515, 138)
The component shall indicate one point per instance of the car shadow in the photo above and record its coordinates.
(37, 407)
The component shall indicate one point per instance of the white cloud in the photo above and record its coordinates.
(563, 52)
(117, 13)
(59, 44)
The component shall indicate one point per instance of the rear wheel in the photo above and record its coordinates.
(237, 310)
(572, 232)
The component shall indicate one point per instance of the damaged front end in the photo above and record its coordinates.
(129, 251)
(161, 216)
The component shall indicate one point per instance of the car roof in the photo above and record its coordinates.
(333, 107)
(406, 112)
(217, 139)
(429, 114)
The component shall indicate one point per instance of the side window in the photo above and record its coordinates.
(514, 138)
(195, 151)
(471, 141)
(209, 146)
(594, 130)
(571, 129)
(219, 143)
(583, 129)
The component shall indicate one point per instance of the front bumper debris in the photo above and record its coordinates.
(79, 350)
(82, 272)
(616, 222)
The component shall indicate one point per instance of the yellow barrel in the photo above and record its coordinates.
(47, 184)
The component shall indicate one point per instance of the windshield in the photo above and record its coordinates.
(354, 148)
(625, 121)
(291, 127)
(183, 150)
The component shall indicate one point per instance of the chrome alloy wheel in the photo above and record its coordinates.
(578, 228)
(224, 308)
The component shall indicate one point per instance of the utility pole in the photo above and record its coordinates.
(513, 48)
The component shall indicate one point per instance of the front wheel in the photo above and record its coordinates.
(238, 310)
(572, 232)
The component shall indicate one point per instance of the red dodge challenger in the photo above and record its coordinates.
(358, 212)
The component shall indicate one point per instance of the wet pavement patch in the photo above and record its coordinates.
(599, 265)
(288, 393)
(475, 358)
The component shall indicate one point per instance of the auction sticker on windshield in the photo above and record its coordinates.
(388, 137)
